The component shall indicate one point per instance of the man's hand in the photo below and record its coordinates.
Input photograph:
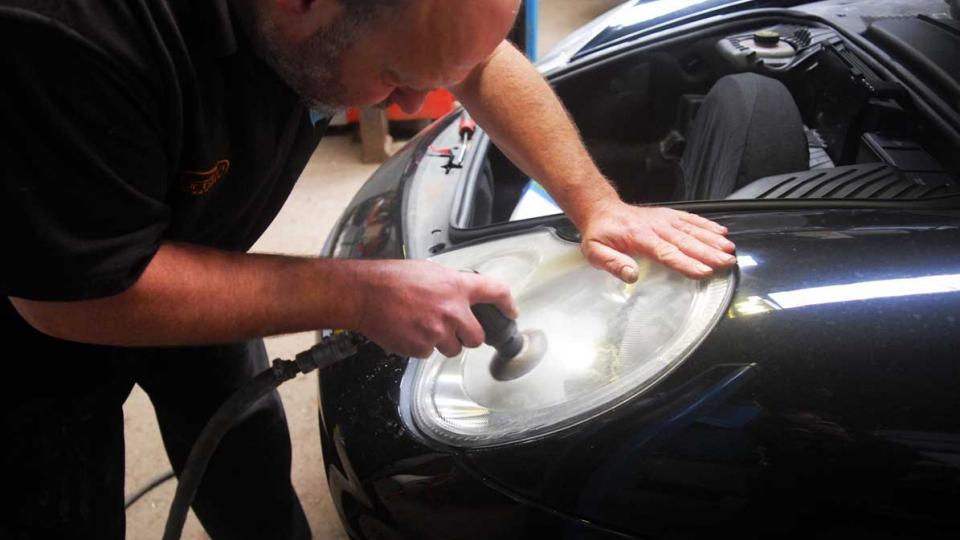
(503, 94)
(682, 241)
(412, 307)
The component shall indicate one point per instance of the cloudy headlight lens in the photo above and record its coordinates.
(606, 342)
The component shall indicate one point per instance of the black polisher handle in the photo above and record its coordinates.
(501, 331)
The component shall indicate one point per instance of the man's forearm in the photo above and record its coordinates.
(191, 295)
(521, 113)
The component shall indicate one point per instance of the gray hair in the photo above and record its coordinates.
(313, 69)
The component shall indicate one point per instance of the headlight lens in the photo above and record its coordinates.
(606, 342)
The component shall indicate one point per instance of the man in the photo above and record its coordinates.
(146, 145)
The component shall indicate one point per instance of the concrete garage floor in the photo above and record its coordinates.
(332, 177)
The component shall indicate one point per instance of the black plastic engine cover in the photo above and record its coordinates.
(860, 181)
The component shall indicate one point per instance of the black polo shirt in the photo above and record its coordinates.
(124, 124)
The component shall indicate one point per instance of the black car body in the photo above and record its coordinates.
(823, 400)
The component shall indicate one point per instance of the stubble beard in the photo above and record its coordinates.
(312, 69)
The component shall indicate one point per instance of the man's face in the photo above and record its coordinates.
(310, 67)
(396, 60)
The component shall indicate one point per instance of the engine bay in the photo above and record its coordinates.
(866, 136)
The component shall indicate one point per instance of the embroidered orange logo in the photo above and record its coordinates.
(200, 183)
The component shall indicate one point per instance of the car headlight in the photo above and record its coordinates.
(607, 341)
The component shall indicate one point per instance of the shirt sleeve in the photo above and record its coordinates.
(83, 163)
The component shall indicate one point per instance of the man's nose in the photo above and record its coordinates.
(410, 101)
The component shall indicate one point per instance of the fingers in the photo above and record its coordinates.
(695, 248)
(485, 290)
(437, 331)
(413, 346)
(469, 332)
(691, 244)
(461, 329)
(464, 331)
(703, 222)
(424, 306)
(671, 256)
(450, 347)
(707, 236)
(606, 258)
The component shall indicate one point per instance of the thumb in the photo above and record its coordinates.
(606, 258)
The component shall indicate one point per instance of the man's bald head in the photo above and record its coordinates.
(337, 53)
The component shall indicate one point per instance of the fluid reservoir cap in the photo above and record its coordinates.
(766, 38)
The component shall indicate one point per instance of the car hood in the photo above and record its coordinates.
(856, 15)
(831, 380)
(840, 317)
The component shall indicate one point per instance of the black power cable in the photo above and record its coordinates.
(330, 350)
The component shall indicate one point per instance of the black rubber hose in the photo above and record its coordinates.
(146, 488)
(330, 350)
